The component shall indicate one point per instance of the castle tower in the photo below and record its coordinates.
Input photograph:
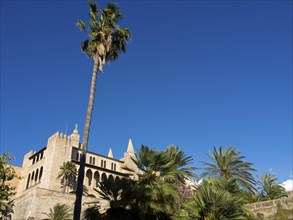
(58, 150)
(129, 156)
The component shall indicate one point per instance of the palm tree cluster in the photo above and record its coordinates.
(158, 188)
(153, 192)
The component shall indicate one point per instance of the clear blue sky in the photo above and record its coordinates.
(197, 74)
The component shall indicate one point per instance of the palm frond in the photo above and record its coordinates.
(81, 25)
(230, 164)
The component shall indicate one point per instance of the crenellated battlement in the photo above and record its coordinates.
(60, 138)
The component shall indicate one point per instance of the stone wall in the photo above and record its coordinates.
(269, 208)
(36, 201)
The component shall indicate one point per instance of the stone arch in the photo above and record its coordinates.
(89, 177)
(96, 178)
(104, 177)
(111, 178)
(41, 173)
(28, 181)
(117, 178)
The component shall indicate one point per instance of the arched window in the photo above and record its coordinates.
(91, 160)
(94, 161)
(102, 163)
(104, 177)
(114, 166)
(111, 179)
(42, 154)
(41, 173)
(97, 178)
(28, 181)
(89, 177)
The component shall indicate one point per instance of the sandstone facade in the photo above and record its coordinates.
(39, 189)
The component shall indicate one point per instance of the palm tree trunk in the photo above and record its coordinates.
(80, 179)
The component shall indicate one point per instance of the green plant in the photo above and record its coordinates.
(67, 172)
(230, 164)
(7, 173)
(59, 212)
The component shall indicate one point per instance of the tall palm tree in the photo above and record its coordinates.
(270, 188)
(230, 164)
(67, 171)
(59, 212)
(106, 41)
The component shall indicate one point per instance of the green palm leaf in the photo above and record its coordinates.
(230, 164)
(59, 212)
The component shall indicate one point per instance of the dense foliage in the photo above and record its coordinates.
(269, 188)
(163, 188)
(7, 173)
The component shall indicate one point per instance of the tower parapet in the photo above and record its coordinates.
(59, 150)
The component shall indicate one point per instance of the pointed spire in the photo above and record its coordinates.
(110, 154)
(75, 131)
(130, 146)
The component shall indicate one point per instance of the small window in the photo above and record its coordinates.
(41, 173)
(28, 181)
(94, 161)
(90, 160)
(102, 163)
(114, 166)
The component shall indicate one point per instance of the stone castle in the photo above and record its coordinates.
(39, 189)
